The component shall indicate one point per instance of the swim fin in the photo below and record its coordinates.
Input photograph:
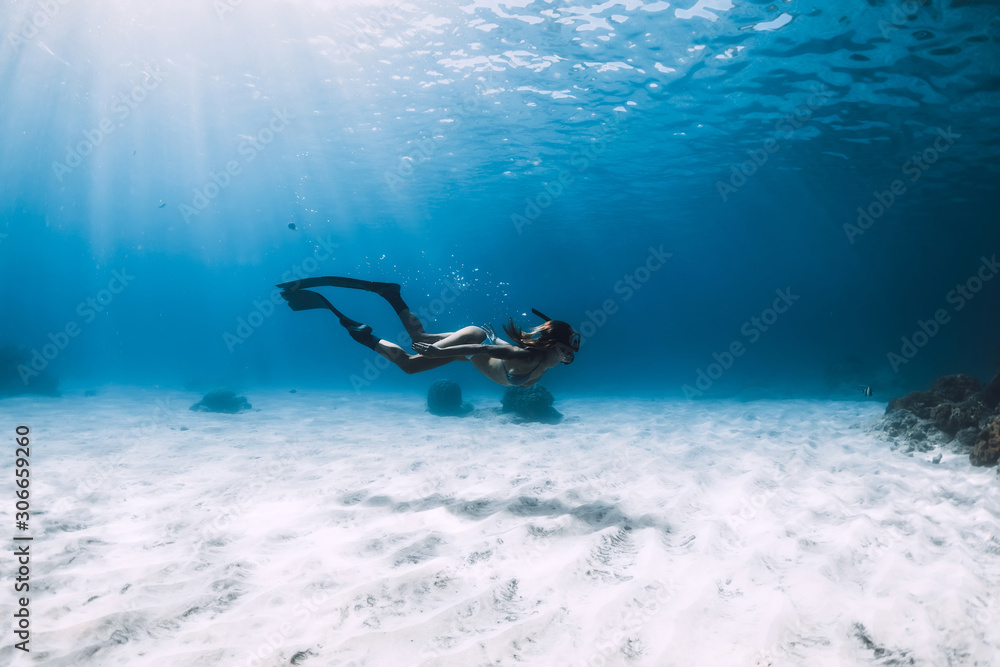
(388, 291)
(306, 300)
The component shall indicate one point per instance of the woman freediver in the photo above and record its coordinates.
(520, 364)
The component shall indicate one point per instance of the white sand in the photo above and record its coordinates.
(346, 529)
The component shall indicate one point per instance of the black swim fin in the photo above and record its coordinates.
(306, 300)
(388, 291)
(339, 281)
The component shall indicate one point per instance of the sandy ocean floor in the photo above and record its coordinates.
(345, 529)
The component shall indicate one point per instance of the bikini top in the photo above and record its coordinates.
(514, 379)
(517, 379)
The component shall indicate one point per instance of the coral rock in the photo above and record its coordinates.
(987, 449)
(222, 400)
(953, 417)
(531, 404)
(956, 388)
(990, 396)
(444, 398)
(920, 403)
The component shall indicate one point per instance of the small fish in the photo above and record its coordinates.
(291, 226)
(866, 390)
(162, 204)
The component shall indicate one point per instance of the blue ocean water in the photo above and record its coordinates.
(724, 198)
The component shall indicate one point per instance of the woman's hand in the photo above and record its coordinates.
(428, 350)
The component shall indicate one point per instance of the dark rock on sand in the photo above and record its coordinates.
(904, 426)
(991, 394)
(957, 411)
(956, 388)
(953, 417)
(919, 403)
(444, 398)
(987, 449)
(531, 404)
(222, 400)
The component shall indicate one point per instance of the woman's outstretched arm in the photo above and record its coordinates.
(494, 351)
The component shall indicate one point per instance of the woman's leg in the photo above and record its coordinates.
(414, 327)
(296, 294)
(416, 363)
(465, 336)
(304, 299)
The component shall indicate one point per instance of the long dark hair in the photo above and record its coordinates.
(543, 337)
